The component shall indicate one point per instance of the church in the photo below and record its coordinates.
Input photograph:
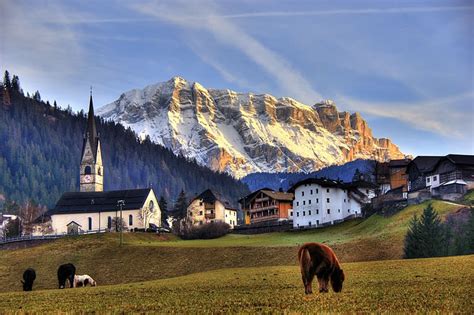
(92, 209)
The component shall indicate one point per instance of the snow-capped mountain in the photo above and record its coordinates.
(242, 133)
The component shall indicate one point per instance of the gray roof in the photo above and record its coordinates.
(90, 202)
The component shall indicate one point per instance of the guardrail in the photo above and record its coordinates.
(26, 238)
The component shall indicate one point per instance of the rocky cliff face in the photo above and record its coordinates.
(242, 133)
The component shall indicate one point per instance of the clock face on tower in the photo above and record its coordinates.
(87, 178)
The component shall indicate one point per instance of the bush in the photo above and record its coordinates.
(187, 231)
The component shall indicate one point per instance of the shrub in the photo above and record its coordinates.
(187, 231)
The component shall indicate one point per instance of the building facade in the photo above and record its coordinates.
(266, 205)
(321, 202)
(208, 207)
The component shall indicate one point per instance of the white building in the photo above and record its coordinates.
(93, 209)
(320, 202)
(207, 207)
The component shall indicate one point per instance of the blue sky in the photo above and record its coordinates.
(407, 66)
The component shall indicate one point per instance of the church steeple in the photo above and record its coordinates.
(91, 171)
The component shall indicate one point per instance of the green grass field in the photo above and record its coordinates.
(439, 285)
(202, 274)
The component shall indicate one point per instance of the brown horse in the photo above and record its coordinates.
(320, 260)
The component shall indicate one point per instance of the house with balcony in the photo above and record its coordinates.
(211, 207)
(267, 205)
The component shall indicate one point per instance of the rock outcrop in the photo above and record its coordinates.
(242, 133)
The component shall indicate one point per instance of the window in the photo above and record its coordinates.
(317, 222)
(309, 223)
(87, 170)
(317, 191)
(427, 179)
(309, 212)
(309, 201)
(317, 211)
(130, 220)
(304, 202)
(435, 178)
(190, 213)
(200, 212)
(329, 211)
(200, 203)
(344, 199)
(291, 213)
(89, 219)
(339, 210)
(367, 191)
(298, 225)
(317, 200)
(109, 222)
(327, 190)
(297, 203)
(304, 213)
(348, 210)
(151, 206)
(297, 214)
(302, 193)
(311, 192)
(327, 200)
(99, 171)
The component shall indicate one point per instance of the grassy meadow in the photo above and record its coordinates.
(240, 272)
(402, 286)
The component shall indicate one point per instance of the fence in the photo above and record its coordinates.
(26, 238)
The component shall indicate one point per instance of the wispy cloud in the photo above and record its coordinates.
(290, 80)
(398, 10)
(441, 116)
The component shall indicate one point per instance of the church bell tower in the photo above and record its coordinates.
(91, 171)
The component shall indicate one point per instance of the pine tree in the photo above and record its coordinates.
(37, 96)
(181, 205)
(164, 211)
(16, 83)
(6, 80)
(425, 237)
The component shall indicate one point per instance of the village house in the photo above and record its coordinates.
(210, 207)
(319, 202)
(92, 209)
(419, 170)
(452, 176)
(267, 205)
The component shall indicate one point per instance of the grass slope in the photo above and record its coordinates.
(401, 286)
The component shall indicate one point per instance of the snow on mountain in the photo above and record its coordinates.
(243, 133)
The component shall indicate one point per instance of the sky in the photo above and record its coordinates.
(406, 66)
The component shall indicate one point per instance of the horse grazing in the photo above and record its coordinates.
(66, 272)
(320, 260)
(84, 280)
(29, 277)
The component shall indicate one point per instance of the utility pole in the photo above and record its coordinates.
(121, 203)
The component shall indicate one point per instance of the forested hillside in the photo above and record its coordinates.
(343, 172)
(40, 147)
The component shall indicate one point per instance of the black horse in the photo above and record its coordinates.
(29, 277)
(66, 272)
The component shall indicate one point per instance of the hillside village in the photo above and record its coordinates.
(309, 203)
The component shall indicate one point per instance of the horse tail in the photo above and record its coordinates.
(305, 261)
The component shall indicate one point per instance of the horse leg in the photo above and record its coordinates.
(325, 283)
(71, 281)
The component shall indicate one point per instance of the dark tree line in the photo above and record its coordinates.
(41, 146)
(427, 236)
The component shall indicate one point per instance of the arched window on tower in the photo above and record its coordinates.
(87, 170)
(130, 219)
(99, 171)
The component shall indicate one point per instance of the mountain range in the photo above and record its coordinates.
(243, 133)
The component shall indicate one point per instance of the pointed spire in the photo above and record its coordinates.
(90, 134)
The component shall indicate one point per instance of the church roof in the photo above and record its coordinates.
(90, 202)
(91, 131)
